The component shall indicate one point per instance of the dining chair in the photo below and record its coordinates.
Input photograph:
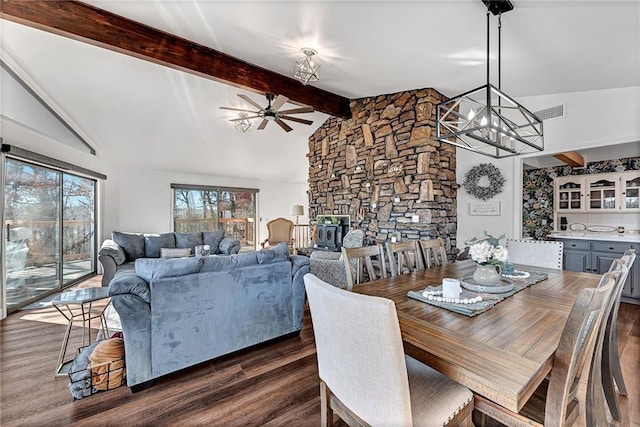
(555, 402)
(365, 377)
(279, 230)
(433, 252)
(404, 256)
(535, 253)
(611, 368)
(355, 258)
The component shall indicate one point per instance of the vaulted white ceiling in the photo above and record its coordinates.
(366, 48)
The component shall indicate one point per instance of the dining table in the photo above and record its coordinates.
(503, 353)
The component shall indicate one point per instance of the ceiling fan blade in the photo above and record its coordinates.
(243, 118)
(263, 124)
(251, 101)
(238, 109)
(283, 125)
(279, 102)
(298, 110)
(295, 119)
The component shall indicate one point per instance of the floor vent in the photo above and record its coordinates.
(551, 112)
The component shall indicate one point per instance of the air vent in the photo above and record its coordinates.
(551, 112)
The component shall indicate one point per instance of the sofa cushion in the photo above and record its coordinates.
(132, 244)
(280, 252)
(174, 252)
(246, 259)
(130, 284)
(177, 267)
(188, 240)
(218, 263)
(213, 239)
(227, 246)
(153, 243)
(145, 267)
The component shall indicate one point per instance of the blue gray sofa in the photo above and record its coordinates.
(119, 253)
(179, 312)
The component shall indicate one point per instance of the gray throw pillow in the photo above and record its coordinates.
(188, 240)
(153, 243)
(132, 244)
(213, 239)
(174, 252)
(280, 252)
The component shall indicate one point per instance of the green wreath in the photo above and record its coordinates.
(472, 179)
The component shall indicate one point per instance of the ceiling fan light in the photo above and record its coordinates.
(305, 69)
(243, 125)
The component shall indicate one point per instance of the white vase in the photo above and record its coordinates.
(488, 274)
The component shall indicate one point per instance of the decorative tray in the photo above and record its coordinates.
(505, 285)
(601, 228)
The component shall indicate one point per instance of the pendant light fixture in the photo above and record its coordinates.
(305, 69)
(242, 123)
(486, 120)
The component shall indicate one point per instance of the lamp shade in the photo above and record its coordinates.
(297, 210)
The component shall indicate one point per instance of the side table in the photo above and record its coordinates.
(78, 305)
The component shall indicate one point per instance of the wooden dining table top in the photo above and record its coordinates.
(502, 354)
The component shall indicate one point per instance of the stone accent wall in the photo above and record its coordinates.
(383, 167)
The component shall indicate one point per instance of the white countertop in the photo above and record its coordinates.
(589, 235)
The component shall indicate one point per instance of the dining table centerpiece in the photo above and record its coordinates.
(489, 256)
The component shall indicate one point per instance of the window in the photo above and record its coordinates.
(199, 208)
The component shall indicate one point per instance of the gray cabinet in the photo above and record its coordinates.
(596, 256)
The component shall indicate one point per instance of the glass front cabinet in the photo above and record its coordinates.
(606, 192)
(602, 192)
(630, 189)
(569, 194)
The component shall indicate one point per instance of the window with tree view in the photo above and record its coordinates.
(197, 208)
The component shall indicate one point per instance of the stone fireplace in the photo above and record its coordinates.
(383, 168)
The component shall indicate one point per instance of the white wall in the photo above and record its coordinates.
(592, 119)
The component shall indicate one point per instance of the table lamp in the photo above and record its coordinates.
(297, 210)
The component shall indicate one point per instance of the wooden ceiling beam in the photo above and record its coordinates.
(572, 158)
(98, 27)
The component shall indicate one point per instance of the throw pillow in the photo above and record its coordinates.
(154, 242)
(174, 252)
(188, 240)
(132, 244)
(213, 239)
(280, 252)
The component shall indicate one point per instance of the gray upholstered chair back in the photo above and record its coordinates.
(535, 253)
(353, 239)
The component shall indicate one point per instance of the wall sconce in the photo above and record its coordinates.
(305, 69)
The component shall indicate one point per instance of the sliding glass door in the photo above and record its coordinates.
(49, 222)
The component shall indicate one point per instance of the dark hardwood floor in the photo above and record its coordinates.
(272, 385)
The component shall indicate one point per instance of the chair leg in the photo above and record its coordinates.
(615, 362)
(608, 379)
(326, 413)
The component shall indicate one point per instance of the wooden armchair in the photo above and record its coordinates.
(279, 230)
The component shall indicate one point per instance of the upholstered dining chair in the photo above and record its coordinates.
(365, 377)
(404, 256)
(434, 252)
(355, 258)
(535, 253)
(279, 230)
(611, 368)
(555, 402)
(328, 266)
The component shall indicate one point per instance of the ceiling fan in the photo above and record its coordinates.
(271, 113)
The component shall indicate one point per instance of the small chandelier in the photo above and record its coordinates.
(485, 119)
(305, 69)
(242, 123)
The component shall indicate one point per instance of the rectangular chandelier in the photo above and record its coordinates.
(489, 122)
